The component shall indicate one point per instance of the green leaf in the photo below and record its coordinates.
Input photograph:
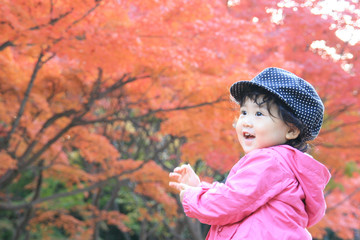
(350, 168)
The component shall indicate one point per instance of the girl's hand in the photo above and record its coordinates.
(184, 175)
(181, 187)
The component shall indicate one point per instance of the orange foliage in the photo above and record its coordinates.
(116, 219)
(7, 162)
(152, 181)
(73, 227)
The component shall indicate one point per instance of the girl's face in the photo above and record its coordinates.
(256, 128)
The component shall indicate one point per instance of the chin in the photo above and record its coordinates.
(246, 151)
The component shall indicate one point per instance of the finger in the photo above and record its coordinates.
(175, 176)
(179, 186)
(180, 169)
(183, 169)
(189, 168)
(175, 185)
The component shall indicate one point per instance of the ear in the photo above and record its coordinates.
(292, 133)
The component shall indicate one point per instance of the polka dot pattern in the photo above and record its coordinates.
(294, 91)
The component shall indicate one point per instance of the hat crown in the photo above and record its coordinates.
(299, 95)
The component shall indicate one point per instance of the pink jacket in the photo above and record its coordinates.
(271, 193)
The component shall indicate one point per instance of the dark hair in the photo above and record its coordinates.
(286, 114)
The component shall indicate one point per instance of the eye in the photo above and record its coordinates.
(243, 112)
(258, 114)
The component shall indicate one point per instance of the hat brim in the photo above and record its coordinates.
(239, 88)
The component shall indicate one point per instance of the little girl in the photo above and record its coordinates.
(276, 190)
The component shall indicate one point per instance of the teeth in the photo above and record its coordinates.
(247, 135)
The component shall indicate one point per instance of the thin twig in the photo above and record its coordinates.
(16, 121)
(347, 198)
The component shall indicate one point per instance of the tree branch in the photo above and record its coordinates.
(5, 45)
(335, 128)
(7, 206)
(43, 128)
(5, 142)
(52, 21)
(344, 200)
(46, 146)
(22, 226)
(149, 113)
(11, 174)
(84, 16)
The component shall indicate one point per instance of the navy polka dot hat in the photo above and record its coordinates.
(294, 91)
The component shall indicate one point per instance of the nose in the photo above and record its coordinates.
(246, 121)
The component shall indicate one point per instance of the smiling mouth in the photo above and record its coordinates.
(248, 135)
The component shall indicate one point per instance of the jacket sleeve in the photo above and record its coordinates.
(259, 178)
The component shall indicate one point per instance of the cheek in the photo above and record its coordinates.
(280, 134)
(238, 127)
(238, 130)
